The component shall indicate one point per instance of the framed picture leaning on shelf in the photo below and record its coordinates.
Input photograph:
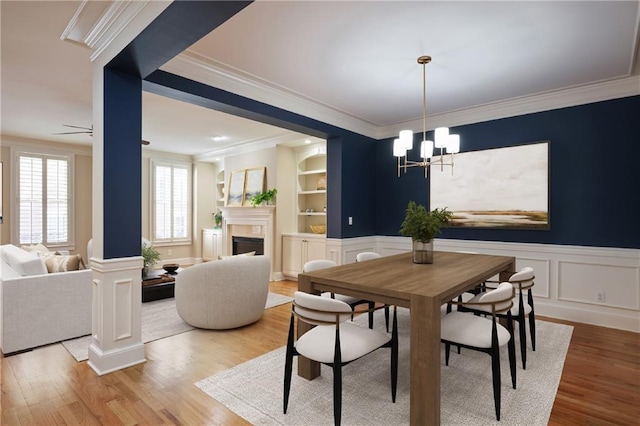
(254, 184)
(236, 188)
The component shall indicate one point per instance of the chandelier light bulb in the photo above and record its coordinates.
(442, 137)
(426, 149)
(398, 148)
(453, 146)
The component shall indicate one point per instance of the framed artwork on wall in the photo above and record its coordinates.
(504, 188)
(254, 184)
(235, 194)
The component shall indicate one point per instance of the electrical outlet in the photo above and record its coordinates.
(169, 252)
(600, 297)
(350, 220)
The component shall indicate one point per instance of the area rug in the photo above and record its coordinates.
(160, 319)
(253, 390)
(275, 299)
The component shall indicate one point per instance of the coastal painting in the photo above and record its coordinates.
(495, 188)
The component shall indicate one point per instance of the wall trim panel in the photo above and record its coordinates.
(556, 284)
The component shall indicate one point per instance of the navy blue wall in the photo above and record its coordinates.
(594, 194)
(351, 186)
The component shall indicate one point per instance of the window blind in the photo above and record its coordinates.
(171, 183)
(44, 203)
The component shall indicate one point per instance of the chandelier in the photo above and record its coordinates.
(443, 139)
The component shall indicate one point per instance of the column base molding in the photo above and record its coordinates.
(104, 362)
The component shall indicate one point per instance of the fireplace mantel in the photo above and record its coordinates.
(261, 219)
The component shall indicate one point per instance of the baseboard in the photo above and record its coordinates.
(105, 362)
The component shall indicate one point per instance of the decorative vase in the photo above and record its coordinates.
(422, 252)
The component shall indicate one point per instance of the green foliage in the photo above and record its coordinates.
(423, 225)
(150, 255)
(265, 196)
(217, 218)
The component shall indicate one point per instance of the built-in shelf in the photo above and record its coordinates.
(317, 191)
(220, 193)
(312, 172)
(312, 175)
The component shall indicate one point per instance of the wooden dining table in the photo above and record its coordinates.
(423, 288)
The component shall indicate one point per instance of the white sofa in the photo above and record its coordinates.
(37, 307)
(223, 294)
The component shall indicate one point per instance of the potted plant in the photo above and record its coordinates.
(217, 219)
(422, 226)
(264, 197)
(151, 256)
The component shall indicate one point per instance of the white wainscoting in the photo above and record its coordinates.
(568, 281)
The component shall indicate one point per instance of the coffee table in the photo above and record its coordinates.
(158, 285)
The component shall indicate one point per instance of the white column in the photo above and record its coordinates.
(116, 340)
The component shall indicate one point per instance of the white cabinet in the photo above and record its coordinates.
(299, 249)
(211, 244)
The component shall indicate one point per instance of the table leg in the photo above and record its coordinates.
(425, 360)
(506, 274)
(306, 368)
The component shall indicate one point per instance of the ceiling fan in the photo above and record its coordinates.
(88, 131)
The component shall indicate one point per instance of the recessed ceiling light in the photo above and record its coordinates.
(218, 137)
(307, 141)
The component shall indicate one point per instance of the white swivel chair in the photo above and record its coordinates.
(334, 342)
(468, 330)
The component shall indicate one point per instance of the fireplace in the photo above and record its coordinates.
(247, 244)
(242, 225)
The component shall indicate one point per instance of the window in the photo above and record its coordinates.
(171, 202)
(44, 199)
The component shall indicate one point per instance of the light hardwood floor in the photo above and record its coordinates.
(600, 383)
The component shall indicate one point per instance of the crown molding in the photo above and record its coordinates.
(247, 146)
(49, 146)
(208, 71)
(602, 91)
(107, 27)
(196, 67)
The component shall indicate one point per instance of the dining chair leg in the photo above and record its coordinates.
(337, 381)
(532, 321)
(394, 357)
(386, 317)
(371, 306)
(447, 351)
(288, 365)
(512, 350)
(495, 373)
(523, 333)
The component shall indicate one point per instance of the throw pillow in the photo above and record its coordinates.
(64, 263)
(35, 248)
(251, 253)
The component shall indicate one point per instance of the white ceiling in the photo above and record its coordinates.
(352, 64)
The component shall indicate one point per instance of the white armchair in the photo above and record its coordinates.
(224, 294)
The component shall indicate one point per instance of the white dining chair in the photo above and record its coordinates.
(315, 265)
(522, 281)
(362, 257)
(471, 331)
(334, 342)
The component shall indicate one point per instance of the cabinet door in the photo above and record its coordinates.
(207, 245)
(316, 249)
(217, 244)
(291, 256)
